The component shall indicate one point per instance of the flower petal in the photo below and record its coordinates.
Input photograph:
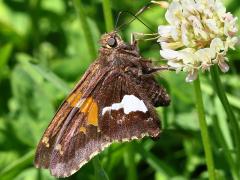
(175, 33)
(191, 76)
(212, 25)
(171, 45)
(169, 54)
(204, 55)
(164, 31)
(219, 7)
(223, 66)
(189, 57)
(231, 42)
(175, 64)
(173, 13)
(184, 34)
(216, 46)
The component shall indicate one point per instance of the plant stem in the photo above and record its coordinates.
(131, 164)
(86, 29)
(204, 130)
(108, 15)
(233, 125)
(226, 151)
(35, 8)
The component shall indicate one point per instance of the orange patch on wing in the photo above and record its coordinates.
(93, 114)
(82, 129)
(86, 105)
(91, 108)
(74, 98)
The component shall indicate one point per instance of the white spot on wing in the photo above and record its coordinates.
(108, 108)
(129, 103)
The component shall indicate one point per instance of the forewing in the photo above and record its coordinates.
(65, 114)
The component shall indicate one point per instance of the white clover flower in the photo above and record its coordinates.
(198, 35)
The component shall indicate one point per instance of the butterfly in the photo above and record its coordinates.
(114, 101)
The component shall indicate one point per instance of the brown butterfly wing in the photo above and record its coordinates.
(85, 86)
(79, 133)
(116, 125)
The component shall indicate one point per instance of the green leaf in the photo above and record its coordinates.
(30, 112)
(5, 52)
(7, 157)
(33, 173)
(17, 166)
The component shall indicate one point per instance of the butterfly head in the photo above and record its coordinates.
(111, 40)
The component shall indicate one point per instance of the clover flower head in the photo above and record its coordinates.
(198, 35)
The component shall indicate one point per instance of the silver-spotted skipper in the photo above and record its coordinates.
(113, 102)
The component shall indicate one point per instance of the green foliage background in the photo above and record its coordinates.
(43, 53)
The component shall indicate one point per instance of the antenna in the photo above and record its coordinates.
(135, 17)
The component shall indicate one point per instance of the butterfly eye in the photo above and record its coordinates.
(112, 42)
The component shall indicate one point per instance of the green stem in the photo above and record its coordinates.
(228, 155)
(86, 29)
(234, 126)
(35, 8)
(107, 15)
(130, 161)
(39, 174)
(204, 130)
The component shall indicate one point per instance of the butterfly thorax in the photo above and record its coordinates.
(117, 54)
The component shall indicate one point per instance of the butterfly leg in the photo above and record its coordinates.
(136, 36)
(160, 68)
(137, 70)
